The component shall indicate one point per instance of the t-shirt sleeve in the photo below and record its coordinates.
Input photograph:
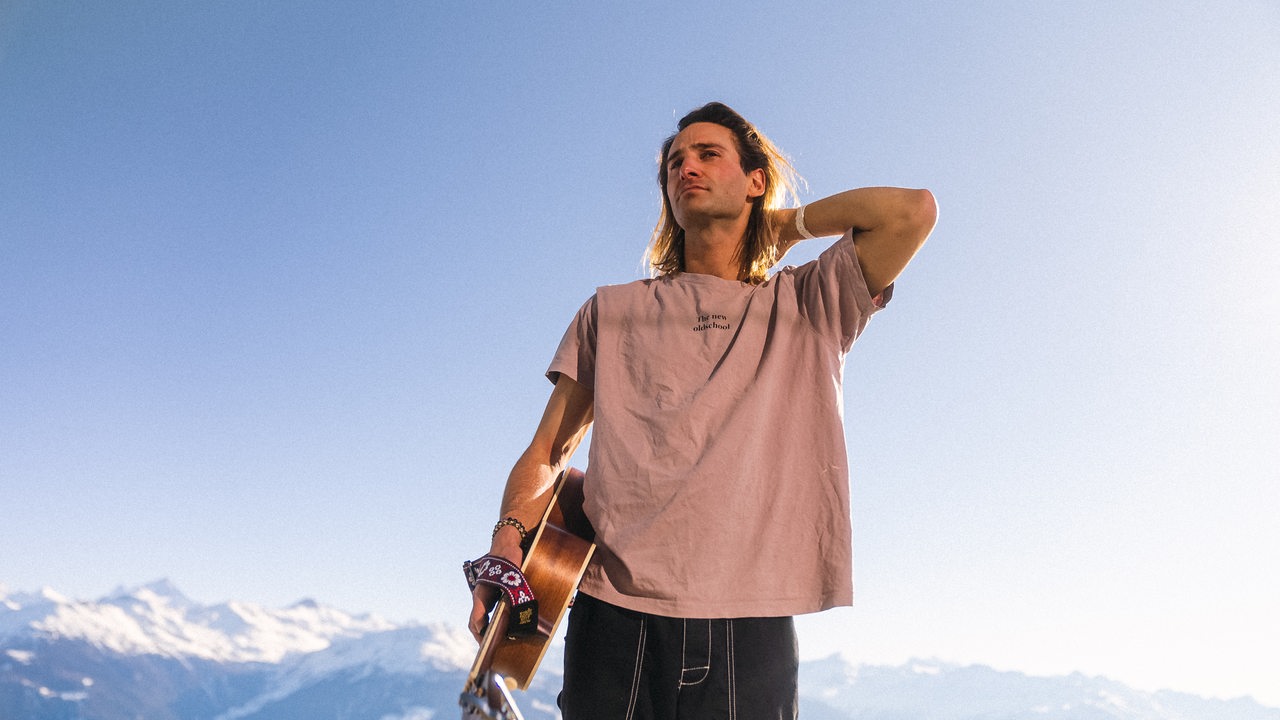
(576, 356)
(833, 293)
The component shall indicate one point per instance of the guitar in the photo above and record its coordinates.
(553, 566)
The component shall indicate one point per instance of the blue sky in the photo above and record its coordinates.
(278, 283)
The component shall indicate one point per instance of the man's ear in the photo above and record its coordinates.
(755, 183)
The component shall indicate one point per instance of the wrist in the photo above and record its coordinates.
(801, 229)
(513, 523)
(508, 542)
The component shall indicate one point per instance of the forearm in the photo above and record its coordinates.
(525, 498)
(860, 209)
(889, 226)
(564, 424)
(525, 493)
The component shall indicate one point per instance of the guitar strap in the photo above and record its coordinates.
(504, 575)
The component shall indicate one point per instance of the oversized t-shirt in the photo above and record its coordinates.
(717, 480)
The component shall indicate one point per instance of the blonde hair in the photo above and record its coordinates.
(759, 251)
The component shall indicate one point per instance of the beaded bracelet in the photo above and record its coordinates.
(519, 526)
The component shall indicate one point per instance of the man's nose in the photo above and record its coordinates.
(689, 169)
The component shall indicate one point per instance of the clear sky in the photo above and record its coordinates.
(279, 281)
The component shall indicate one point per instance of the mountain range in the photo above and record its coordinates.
(150, 652)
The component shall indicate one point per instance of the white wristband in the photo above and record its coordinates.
(800, 228)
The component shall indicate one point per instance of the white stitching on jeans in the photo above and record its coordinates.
(635, 678)
(733, 699)
(684, 645)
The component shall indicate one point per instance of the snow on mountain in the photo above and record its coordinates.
(410, 651)
(157, 619)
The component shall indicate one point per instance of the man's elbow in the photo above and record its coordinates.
(921, 214)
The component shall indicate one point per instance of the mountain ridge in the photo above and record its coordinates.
(156, 618)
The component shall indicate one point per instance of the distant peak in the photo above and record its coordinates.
(162, 588)
(306, 603)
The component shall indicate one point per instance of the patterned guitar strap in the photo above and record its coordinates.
(502, 574)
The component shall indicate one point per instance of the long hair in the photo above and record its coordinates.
(759, 251)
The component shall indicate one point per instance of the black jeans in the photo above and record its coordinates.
(626, 665)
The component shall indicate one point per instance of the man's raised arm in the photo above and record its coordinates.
(889, 226)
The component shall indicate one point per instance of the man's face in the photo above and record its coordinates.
(705, 180)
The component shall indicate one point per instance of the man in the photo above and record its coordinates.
(717, 482)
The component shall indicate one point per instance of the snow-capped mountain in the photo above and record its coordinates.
(157, 619)
(150, 652)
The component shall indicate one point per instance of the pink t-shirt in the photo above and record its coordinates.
(717, 481)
